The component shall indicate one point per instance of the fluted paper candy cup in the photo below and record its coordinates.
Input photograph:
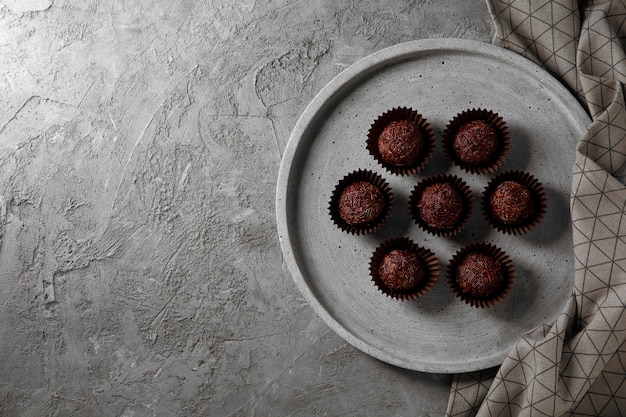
(403, 270)
(481, 274)
(477, 141)
(401, 140)
(361, 202)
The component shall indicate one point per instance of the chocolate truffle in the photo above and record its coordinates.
(511, 202)
(514, 202)
(360, 203)
(440, 206)
(476, 142)
(401, 270)
(401, 140)
(479, 275)
(400, 143)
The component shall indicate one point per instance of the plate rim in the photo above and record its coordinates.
(314, 110)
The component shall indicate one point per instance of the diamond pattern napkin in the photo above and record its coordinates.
(575, 365)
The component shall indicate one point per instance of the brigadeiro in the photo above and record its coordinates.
(401, 140)
(477, 141)
(481, 274)
(360, 202)
(514, 202)
(402, 269)
(441, 204)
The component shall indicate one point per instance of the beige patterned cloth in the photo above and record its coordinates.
(575, 365)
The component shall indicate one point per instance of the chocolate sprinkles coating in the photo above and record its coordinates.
(400, 143)
(361, 203)
(479, 275)
(440, 206)
(401, 270)
(476, 142)
(511, 202)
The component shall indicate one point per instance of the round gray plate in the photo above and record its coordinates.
(438, 78)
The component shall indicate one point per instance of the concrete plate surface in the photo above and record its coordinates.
(438, 78)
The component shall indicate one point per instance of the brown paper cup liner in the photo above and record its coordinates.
(496, 253)
(466, 197)
(402, 113)
(366, 228)
(539, 198)
(428, 259)
(470, 115)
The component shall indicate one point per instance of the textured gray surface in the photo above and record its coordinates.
(140, 271)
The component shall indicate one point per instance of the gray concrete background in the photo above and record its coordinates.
(140, 271)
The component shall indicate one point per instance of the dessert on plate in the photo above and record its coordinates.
(402, 269)
(481, 274)
(401, 140)
(360, 202)
(441, 204)
(514, 202)
(477, 141)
